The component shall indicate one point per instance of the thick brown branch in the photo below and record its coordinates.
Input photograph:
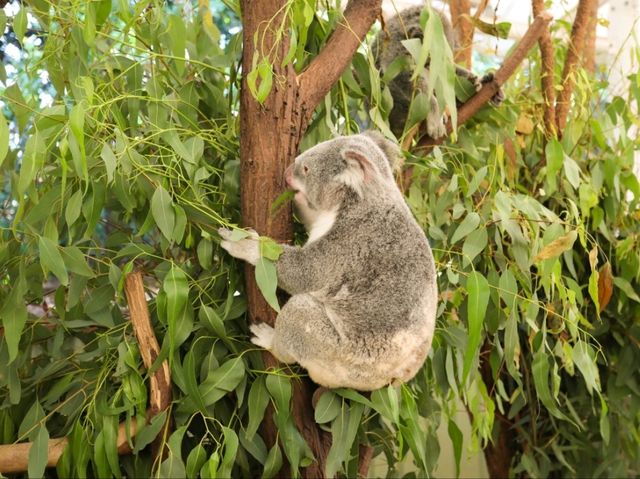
(324, 70)
(587, 9)
(547, 69)
(463, 26)
(15, 457)
(160, 387)
(489, 89)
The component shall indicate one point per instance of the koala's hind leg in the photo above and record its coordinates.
(305, 334)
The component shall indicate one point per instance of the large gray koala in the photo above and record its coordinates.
(387, 47)
(363, 287)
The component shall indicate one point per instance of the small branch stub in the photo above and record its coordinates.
(160, 388)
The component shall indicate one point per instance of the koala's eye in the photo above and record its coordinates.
(305, 169)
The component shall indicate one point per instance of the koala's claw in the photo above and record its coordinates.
(498, 98)
(262, 335)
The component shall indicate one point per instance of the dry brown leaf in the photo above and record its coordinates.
(605, 285)
(524, 125)
(557, 246)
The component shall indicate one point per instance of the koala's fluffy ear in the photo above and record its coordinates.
(360, 168)
(390, 149)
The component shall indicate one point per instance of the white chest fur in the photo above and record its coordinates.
(321, 225)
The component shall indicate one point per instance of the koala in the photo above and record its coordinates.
(363, 287)
(388, 46)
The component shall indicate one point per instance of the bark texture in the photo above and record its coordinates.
(587, 9)
(547, 78)
(269, 138)
(15, 457)
(463, 27)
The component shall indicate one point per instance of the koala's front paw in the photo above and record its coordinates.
(247, 249)
(498, 98)
(262, 335)
(436, 126)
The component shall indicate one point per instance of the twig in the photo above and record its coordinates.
(548, 61)
(366, 454)
(489, 89)
(586, 10)
(160, 388)
(15, 457)
(325, 69)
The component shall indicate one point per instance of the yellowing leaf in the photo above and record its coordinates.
(557, 247)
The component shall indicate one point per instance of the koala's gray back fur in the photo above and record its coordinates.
(364, 298)
(387, 47)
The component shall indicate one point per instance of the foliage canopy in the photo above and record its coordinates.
(119, 149)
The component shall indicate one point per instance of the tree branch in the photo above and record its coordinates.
(160, 387)
(547, 69)
(324, 70)
(464, 27)
(587, 9)
(489, 89)
(15, 457)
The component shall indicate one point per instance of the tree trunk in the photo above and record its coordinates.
(270, 134)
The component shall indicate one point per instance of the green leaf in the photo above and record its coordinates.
(51, 259)
(327, 408)
(4, 138)
(257, 402)
(163, 212)
(456, 439)
(540, 370)
(195, 460)
(176, 287)
(626, 288)
(73, 209)
(280, 389)
(39, 453)
(222, 380)
(572, 171)
(210, 468)
(20, 23)
(14, 315)
(32, 161)
(343, 432)
(267, 280)
(149, 432)
(270, 249)
(76, 123)
(477, 302)
(585, 358)
(110, 161)
(75, 261)
(230, 452)
(473, 245)
(469, 224)
(273, 464)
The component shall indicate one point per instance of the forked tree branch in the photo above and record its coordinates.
(489, 89)
(547, 79)
(587, 9)
(325, 69)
